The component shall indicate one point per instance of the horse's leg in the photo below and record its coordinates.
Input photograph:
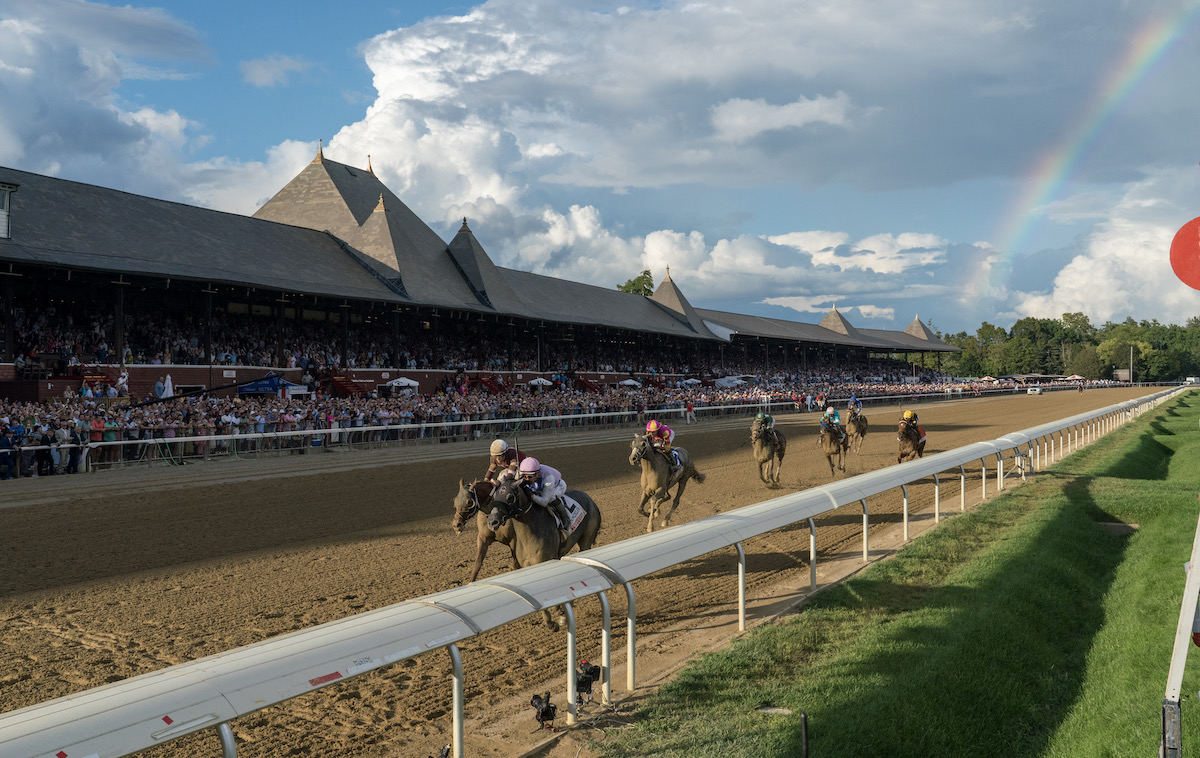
(481, 549)
(675, 503)
(646, 493)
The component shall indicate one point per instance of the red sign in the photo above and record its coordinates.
(1185, 254)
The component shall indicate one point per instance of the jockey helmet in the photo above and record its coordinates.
(499, 447)
(908, 415)
(760, 416)
(530, 468)
(653, 427)
(830, 411)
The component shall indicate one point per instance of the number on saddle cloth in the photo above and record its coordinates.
(575, 514)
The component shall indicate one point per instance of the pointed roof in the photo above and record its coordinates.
(476, 267)
(669, 296)
(920, 331)
(836, 322)
(381, 231)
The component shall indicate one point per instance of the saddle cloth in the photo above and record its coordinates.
(920, 431)
(576, 512)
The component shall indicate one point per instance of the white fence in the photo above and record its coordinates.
(125, 717)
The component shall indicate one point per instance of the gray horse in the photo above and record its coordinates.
(856, 428)
(656, 478)
(536, 534)
(472, 500)
(833, 446)
(769, 447)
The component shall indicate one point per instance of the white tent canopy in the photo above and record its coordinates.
(402, 381)
(540, 382)
(691, 381)
(630, 383)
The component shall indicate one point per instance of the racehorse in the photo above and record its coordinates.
(472, 500)
(769, 447)
(536, 534)
(912, 442)
(856, 430)
(833, 447)
(656, 478)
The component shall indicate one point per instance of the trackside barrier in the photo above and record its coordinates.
(151, 709)
(1187, 630)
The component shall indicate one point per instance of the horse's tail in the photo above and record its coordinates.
(698, 476)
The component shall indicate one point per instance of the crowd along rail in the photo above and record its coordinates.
(151, 709)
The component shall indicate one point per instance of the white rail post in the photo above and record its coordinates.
(1000, 471)
(572, 695)
(864, 507)
(630, 638)
(228, 745)
(812, 554)
(937, 500)
(456, 662)
(962, 488)
(741, 587)
(605, 648)
(983, 477)
(904, 489)
(1184, 629)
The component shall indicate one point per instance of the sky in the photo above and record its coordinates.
(953, 160)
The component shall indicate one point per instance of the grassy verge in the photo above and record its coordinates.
(1023, 628)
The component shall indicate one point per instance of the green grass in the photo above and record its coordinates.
(1023, 628)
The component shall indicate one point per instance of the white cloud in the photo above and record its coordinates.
(738, 120)
(272, 70)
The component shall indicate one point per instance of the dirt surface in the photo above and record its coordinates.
(111, 575)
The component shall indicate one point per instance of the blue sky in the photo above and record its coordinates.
(889, 159)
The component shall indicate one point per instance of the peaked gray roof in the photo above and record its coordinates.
(669, 296)
(920, 331)
(483, 276)
(65, 223)
(773, 328)
(353, 205)
(836, 322)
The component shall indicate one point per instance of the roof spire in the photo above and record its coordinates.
(370, 170)
(380, 207)
(668, 272)
(464, 226)
(320, 153)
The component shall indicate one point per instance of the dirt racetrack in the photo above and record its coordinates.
(107, 576)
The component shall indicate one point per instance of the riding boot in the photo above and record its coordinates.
(560, 509)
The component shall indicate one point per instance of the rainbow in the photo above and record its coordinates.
(1147, 46)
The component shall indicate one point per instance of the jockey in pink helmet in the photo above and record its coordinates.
(546, 488)
(661, 436)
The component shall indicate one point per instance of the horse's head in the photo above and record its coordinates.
(756, 430)
(509, 500)
(638, 449)
(469, 500)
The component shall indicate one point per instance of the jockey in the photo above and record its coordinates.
(504, 462)
(833, 420)
(546, 488)
(854, 405)
(910, 418)
(661, 436)
(768, 423)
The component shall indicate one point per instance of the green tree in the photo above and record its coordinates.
(1087, 364)
(642, 284)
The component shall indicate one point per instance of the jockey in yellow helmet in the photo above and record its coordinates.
(661, 436)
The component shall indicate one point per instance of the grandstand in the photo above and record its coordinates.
(336, 254)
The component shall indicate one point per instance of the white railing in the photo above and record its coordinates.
(132, 715)
(1187, 630)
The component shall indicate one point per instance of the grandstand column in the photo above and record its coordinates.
(119, 326)
(396, 338)
(345, 334)
(280, 307)
(8, 318)
(208, 336)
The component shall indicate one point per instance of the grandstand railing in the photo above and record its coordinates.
(147, 710)
(247, 442)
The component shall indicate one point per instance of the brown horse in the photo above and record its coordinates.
(472, 500)
(656, 478)
(537, 537)
(834, 446)
(769, 448)
(912, 442)
(856, 430)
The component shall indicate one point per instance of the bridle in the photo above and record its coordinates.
(503, 506)
(641, 445)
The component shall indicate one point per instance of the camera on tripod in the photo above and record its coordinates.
(544, 711)
(588, 674)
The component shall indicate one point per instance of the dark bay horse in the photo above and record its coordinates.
(856, 429)
(656, 478)
(536, 534)
(912, 442)
(769, 447)
(473, 500)
(833, 447)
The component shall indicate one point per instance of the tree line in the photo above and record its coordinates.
(1072, 345)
